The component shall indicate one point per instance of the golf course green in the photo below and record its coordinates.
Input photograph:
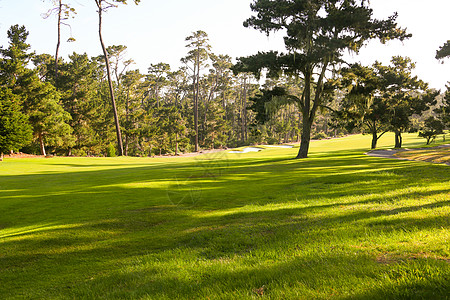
(337, 225)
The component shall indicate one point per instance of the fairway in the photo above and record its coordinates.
(337, 225)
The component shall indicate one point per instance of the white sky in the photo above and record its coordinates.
(154, 31)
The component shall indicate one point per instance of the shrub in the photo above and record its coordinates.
(111, 150)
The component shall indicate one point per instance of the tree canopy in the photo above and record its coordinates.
(317, 34)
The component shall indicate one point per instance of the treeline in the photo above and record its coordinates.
(64, 107)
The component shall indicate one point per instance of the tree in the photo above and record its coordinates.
(102, 6)
(39, 101)
(132, 84)
(362, 107)
(48, 118)
(78, 84)
(15, 131)
(156, 79)
(116, 55)
(383, 98)
(405, 94)
(443, 111)
(431, 129)
(198, 43)
(63, 12)
(317, 34)
(14, 73)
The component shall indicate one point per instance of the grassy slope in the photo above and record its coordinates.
(336, 225)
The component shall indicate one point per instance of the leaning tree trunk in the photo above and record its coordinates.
(308, 111)
(58, 43)
(41, 144)
(111, 89)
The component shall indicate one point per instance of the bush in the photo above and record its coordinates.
(319, 136)
(111, 150)
(272, 141)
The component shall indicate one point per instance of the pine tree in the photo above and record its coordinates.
(15, 131)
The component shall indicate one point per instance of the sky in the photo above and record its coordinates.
(155, 31)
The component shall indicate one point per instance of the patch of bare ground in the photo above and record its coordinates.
(439, 154)
(386, 258)
(22, 155)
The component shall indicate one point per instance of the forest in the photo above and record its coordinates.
(101, 106)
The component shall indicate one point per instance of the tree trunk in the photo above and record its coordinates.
(245, 110)
(1, 156)
(374, 140)
(127, 117)
(305, 139)
(306, 120)
(58, 43)
(111, 89)
(195, 95)
(398, 139)
(41, 144)
(176, 144)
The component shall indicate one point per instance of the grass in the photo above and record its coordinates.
(338, 225)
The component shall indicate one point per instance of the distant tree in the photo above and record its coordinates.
(157, 80)
(444, 51)
(383, 98)
(15, 131)
(102, 6)
(443, 111)
(63, 12)
(48, 118)
(198, 43)
(171, 129)
(79, 84)
(178, 87)
(318, 32)
(431, 129)
(44, 64)
(119, 64)
(39, 101)
(133, 88)
(14, 73)
(362, 107)
(405, 94)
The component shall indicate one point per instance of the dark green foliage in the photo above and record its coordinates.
(260, 103)
(317, 34)
(15, 131)
(383, 98)
(39, 101)
(431, 129)
(444, 51)
(111, 150)
(443, 112)
(14, 73)
(404, 94)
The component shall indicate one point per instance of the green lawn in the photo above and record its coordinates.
(338, 225)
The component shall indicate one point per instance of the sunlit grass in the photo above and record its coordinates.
(339, 224)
